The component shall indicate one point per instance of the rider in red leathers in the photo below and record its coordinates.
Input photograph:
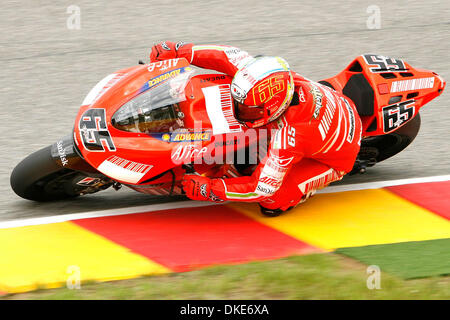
(317, 131)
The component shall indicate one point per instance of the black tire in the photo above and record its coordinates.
(38, 177)
(386, 146)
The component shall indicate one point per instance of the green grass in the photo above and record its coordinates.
(316, 276)
(408, 260)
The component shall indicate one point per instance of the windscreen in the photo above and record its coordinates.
(155, 110)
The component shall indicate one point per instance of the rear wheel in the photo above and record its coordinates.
(379, 148)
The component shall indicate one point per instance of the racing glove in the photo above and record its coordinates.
(170, 50)
(198, 188)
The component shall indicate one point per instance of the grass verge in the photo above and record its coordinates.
(315, 276)
(408, 260)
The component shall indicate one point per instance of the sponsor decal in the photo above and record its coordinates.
(232, 51)
(351, 131)
(317, 96)
(164, 77)
(183, 136)
(270, 181)
(179, 45)
(166, 137)
(203, 190)
(62, 153)
(301, 95)
(227, 143)
(236, 56)
(163, 65)
(187, 136)
(165, 46)
(94, 131)
(412, 84)
(88, 181)
(213, 78)
(272, 174)
(265, 191)
(213, 197)
(123, 169)
(186, 152)
(327, 117)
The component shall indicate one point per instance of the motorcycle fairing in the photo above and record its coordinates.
(387, 92)
(136, 158)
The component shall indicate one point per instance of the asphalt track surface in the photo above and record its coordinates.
(48, 69)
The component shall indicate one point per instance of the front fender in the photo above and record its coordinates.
(66, 154)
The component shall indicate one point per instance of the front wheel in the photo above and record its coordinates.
(39, 178)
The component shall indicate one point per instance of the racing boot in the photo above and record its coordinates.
(272, 212)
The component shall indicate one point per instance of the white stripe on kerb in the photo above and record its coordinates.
(193, 204)
(103, 213)
(382, 184)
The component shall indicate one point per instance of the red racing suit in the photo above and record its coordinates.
(315, 142)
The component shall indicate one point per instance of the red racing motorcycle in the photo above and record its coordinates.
(146, 126)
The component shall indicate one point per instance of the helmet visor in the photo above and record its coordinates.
(246, 113)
